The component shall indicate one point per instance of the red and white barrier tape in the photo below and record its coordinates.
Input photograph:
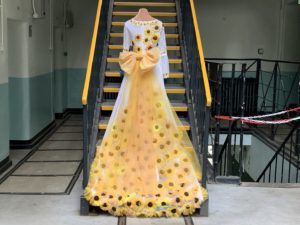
(253, 119)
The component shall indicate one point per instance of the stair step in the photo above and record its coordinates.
(103, 124)
(144, 4)
(171, 61)
(118, 74)
(170, 88)
(188, 148)
(121, 24)
(120, 47)
(154, 14)
(120, 35)
(178, 106)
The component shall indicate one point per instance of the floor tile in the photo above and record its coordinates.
(76, 117)
(73, 123)
(155, 221)
(69, 129)
(15, 184)
(47, 168)
(62, 145)
(56, 155)
(66, 137)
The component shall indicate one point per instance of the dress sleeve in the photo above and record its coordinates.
(126, 38)
(163, 53)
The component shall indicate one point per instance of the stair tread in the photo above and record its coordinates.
(169, 48)
(116, 60)
(152, 4)
(170, 88)
(113, 84)
(158, 14)
(179, 106)
(104, 121)
(121, 24)
(118, 74)
(120, 35)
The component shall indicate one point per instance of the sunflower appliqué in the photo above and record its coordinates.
(149, 46)
(137, 38)
(157, 27)
(147, 40)
(148, 32)
(155, 38)
(137, 48)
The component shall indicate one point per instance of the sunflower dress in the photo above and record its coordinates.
(146, 164)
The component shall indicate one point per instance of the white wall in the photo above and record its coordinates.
(237, 28)
(40, 56)
(3, 54)
(79, 37)
(17, 31)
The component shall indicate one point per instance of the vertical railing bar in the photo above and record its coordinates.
(275, 175)
(290, 159)
(282, 164)
(274, 98)
(297, 173)
(241, 126)
(270, 168)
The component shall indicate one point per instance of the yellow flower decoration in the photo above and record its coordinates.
(138, 37)
(155, 38)
(148, 32)
(187, 209)
(156, 127)
(137, 48)
(159, 104)
(150, 203)
(156, 27)
(87, 193)
(104, 206)
(164, 202)
(129, 197)
(146, 40)
(149, 47)
(95, 201)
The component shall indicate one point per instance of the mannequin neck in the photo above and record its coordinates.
(143, 15)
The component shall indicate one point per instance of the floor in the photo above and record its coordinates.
(53, 166)
(247, 204)
(229, 204)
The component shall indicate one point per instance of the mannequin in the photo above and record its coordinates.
(143, 15)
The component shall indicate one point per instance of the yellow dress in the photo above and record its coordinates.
(145, 165)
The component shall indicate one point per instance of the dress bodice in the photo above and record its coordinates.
(145, 35)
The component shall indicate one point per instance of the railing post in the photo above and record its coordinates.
(243, 87)
(229, 155)
(218, 110)
(85, 146)
(297, 147)
(274, 97)
(205, 146)
(258, 70)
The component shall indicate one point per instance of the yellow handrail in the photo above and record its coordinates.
(91, 56)
(201, 54)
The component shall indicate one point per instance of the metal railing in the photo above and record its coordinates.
(269, 86)
(284, 166)
(243, 87)
(196, 79)
(93, 85)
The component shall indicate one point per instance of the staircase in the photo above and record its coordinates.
(187, 90)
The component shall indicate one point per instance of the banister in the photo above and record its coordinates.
(91, 55)
(201, 55)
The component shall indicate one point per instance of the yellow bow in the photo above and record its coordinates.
(139, 63)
